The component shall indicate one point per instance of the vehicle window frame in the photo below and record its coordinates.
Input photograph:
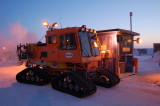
(68, 45)
(52, 39)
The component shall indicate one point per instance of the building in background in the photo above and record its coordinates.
(143, 51)
(156, 47)
(118, 48)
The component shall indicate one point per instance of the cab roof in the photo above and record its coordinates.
(121, 31)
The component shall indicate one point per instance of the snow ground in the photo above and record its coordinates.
(137, 90)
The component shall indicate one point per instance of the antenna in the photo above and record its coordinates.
(131, 14)
(60, 24)
(41, 38)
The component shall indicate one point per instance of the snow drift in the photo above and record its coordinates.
(132, 91)
(154, 58)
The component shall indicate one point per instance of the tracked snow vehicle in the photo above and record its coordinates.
(69, 60)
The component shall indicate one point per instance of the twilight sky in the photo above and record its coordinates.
(97, 14)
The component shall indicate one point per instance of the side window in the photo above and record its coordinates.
(67, 42)
(52, 39)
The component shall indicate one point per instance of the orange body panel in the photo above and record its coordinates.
(55, 54)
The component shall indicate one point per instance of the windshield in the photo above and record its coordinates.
(87, 44)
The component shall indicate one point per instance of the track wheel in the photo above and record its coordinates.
(73, 83)
(33, 75)
(32, 78)
(77, 88)
(70, 86)
(27, 78)
(37, 79)
(60, 83)
(65, 84)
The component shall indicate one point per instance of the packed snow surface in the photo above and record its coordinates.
(141, 89)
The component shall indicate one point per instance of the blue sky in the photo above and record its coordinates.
(97, 14)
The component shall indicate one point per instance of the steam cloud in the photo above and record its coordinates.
(16, 34)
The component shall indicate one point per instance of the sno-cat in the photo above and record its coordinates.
(69, 60)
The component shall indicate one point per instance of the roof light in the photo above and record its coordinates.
(82, 29)
(91, 30)
(54, 24)
(45, 23)
(87, 30)
(83, 26)
(94, 31)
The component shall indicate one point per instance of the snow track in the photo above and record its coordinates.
(135, 90)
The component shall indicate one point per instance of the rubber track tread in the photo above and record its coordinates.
(87, 86)
(37, 71)
(113, 79)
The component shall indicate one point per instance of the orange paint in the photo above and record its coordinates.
(51, 52)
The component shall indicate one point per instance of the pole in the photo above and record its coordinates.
(131, 14)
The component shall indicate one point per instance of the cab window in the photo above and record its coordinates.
(67, 42)
(52, 39)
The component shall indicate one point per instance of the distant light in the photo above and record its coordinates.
(45, 23)
(3, 48)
